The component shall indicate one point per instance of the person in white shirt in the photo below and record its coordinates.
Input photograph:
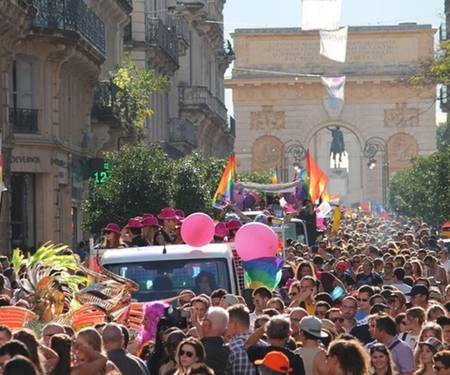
(399, 274)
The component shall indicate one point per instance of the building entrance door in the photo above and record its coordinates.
(23, 210)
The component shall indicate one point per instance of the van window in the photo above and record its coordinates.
(164, 279)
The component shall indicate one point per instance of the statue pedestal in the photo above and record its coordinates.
(338, 182)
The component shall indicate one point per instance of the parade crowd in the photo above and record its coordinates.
(372, 298)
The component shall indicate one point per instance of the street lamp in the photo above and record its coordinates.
(296, 151)
(372, 147)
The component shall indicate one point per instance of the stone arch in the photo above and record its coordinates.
(267, 153)
(401, 148)
(343, 124)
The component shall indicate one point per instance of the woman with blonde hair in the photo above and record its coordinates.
(381, 360)
(189, 352)
(417, 269)
(427, 349)
(434, 312)
(339, 353)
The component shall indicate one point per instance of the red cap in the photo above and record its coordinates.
(275, 361)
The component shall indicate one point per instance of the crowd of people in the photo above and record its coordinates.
(371, 298)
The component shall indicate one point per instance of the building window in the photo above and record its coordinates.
(23, 113)
(23, 210)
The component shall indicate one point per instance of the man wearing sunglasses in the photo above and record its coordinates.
(442, 363)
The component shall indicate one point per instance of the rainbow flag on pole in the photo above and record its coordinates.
(317, 180)
(274, 178)
(224, 192)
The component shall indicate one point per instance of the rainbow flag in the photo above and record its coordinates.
(317, 180)
(224, 192)
(262, 272)
(274, 178)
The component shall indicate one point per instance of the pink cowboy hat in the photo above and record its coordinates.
(221, 230)
(167, 214)
(150, 221)
(134, 223)
(111, 227)
(180, 214)
(233, 224)
(147, 215)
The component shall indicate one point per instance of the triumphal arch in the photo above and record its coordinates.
(282, 108)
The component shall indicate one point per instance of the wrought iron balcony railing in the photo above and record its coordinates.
(104, 99)
(182, 131)
(200, 96)
(181, 27)
(23, 120)
(71, 16)
(159, 35)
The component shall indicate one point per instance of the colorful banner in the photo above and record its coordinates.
(335, 86)
(336, 219)
(262, 272)
(321, 14)
(274, 178)
(333, 44)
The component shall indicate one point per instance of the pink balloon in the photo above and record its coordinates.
(197, 229)
(256, 240)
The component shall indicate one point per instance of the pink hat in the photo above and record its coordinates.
(147, 215)
(167, 214)
(221, 230)
(112, 227)
(180, 214)
(233, 224)
(134, 223)
(150, 221)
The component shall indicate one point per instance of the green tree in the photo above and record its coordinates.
(196, 178)
(135, 89)
(141, 181)
(423, 191)
(264, 177)
(435, 71)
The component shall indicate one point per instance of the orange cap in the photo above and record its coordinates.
(275, 361)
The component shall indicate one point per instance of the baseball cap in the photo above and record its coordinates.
(275, 361)
(419, 290)
(230, 299)
(434, 344)
(313, 326)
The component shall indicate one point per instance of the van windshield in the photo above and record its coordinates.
(164, 279)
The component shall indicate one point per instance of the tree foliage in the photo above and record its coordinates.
(423, 191)
(144, 180)
(135, 88)
(436, 71)
(264, 177)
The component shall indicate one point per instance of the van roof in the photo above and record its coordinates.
(155, 253)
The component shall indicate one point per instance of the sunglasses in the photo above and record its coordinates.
(362, 299)
(188, 354)
(107, 232)
(293, 294)
(334, 320)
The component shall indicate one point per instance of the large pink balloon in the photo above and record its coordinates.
(256, 240)
(197, 229)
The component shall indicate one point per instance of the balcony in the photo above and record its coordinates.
(181, 26)
(103, 108)
(182, 132)
(200, 98)
(187, 4)
(23, 120)
(71, 16)
(163, 37)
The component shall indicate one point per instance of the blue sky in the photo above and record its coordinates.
(287, 13)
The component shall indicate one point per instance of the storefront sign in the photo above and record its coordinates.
(30, 160)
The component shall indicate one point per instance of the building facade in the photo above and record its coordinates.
(47, 95)
(280, 112)
(184, 41)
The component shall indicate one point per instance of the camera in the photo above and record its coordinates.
(174, 317)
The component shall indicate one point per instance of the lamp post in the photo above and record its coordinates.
(372, 147)
(297, 152)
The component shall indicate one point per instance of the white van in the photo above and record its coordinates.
(162, 272)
